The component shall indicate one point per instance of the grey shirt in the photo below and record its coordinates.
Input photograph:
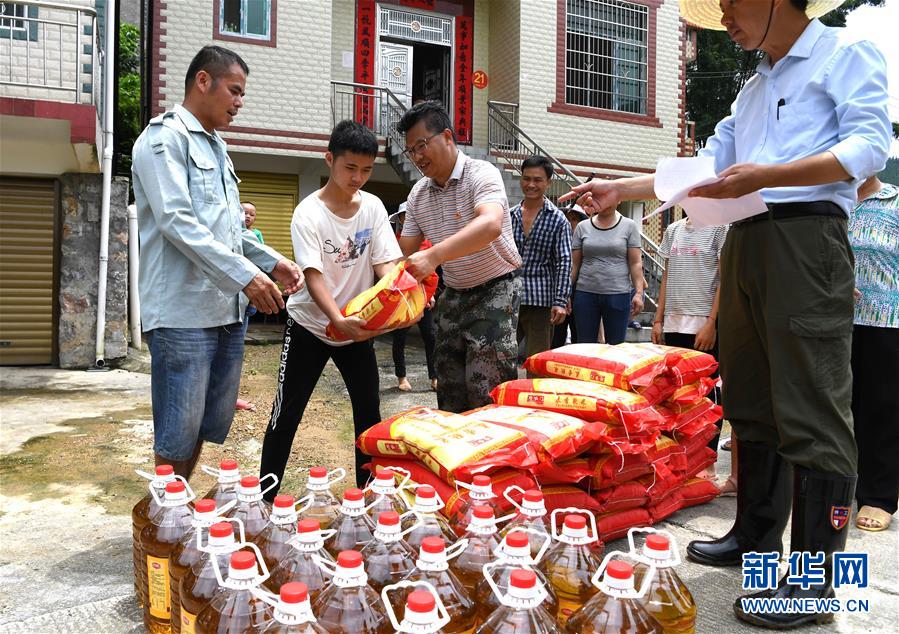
(604, 267)
(195, 253)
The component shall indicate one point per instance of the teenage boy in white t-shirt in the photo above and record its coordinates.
(343, 242)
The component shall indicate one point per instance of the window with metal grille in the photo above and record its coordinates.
(606, 55)
(245, 18)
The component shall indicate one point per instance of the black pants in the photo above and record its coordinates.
(303, 359)
(426, 328)
(683, 340)
(560, 332)
(875, 403)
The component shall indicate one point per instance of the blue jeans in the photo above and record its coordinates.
(591, 308)
(194, 382)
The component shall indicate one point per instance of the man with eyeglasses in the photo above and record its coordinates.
(461, 207)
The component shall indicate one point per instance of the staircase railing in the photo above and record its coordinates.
(506, 139)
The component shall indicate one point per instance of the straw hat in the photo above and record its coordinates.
(706, 14)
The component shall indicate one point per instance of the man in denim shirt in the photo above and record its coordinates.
(198, 263)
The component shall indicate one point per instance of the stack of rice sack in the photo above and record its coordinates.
(618, 430)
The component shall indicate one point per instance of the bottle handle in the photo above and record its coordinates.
(144, 474)
(366, 509)
(418, 522)
(210, 471)
(265, 595)
(673, 550)
(167, 504)
(260, 562)
(404, 483)
(454, 550)
(272, 485)
(506, 494)
(234, 520)
(596, 580)
(443, 617)
(308, 499)
(532, 561)
(591, 518)
(328, 567)
(341, 475)
(487, 570)
(224, 508)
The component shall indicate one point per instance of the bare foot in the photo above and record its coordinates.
(247, 405)
(434, 385)
(404, 385)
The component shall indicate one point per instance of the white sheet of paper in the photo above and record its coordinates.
(675, 177)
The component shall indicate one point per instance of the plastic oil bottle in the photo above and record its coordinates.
(251, 509)
(668, 600)
(349, 605)
(324, 504)
(530, 514)
(298, 564)
(140, 517)
(353, 528)
(483, 540)
(158, 539)
(227, 479)
(199, 583)
(235, 607)
(521, 610)
(388, 557)
(384, 494)
(480, 493)
(616, 608)
(187, 552)
(570, 562)
(432, 566)
(427, 509)
(425, 612)
(282, 527)
(514, 553)
(293, 612)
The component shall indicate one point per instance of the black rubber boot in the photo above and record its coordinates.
(822, 503)
(764, 493)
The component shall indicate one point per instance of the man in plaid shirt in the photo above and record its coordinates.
(543, 237)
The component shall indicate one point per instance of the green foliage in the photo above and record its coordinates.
(721, 68)
(128, 115)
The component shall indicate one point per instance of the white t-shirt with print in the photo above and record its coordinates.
(343, 250)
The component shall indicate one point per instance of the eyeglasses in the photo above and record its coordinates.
(420, 147)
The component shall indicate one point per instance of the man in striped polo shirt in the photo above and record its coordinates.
(461, 207)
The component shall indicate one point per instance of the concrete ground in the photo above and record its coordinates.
(69, 442)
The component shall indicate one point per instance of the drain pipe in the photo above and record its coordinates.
(133, 274)
(108, 100)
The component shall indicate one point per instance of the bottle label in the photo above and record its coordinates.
(188, 621)
(158, 586)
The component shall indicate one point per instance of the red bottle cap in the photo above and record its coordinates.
(385, 474)
(174, 487)
(228, 465)
(349, 559)
(481, 481)
(420, 601)
(389, 518)
(425, 491)
(318, 472)
(249, 482)
(221, 529)
(575, 522)
(482, 512)
(353, 495)
(654, 541)
(294, 592)
(165, 470)
(517, 539)
(433, 544)
(308, 526)
(523, 579)
(619, 569)
(284, 501)
(533, 495)
(204, 506)
(243, 560)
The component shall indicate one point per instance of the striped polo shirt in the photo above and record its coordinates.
(438, 213)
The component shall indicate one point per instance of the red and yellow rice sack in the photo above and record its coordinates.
(395, 301)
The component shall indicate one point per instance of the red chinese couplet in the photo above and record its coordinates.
(463, 64)
(364, 66)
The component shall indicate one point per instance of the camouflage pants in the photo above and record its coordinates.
(476, 348)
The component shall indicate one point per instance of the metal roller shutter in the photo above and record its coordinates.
(275, 197)
(27, 266)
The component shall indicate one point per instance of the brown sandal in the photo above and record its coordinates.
(876, 519)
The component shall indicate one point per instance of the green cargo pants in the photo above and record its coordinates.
(785, 328)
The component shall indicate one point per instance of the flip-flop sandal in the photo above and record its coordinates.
(873, 514)
(728, 488)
